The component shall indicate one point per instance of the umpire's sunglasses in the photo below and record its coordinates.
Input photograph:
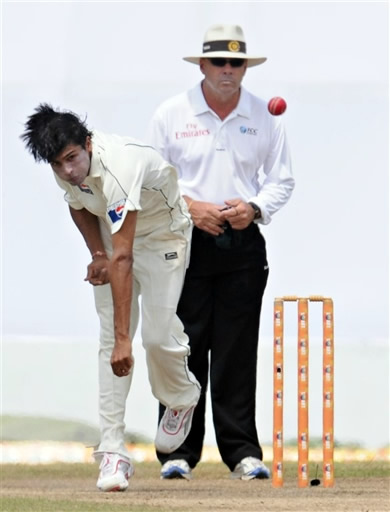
(220, 63)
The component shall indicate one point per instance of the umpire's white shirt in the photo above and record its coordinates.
(246, 155)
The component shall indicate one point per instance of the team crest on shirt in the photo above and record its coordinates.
(84, 188)
(115, 211)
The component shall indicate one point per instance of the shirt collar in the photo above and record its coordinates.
(200, 106)
(96, 158)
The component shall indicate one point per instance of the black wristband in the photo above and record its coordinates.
(257, 211)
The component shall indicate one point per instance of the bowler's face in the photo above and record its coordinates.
(73, 162)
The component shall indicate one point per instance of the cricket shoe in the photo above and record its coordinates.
(250, 468)
(173, 429)
(115, 471)
(177, 468)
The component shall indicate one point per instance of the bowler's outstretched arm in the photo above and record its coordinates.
(121, 280)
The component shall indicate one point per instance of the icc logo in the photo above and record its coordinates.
(248, 131)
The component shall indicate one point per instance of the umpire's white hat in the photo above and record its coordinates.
(225, 41)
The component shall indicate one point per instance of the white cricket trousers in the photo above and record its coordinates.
(158, 274)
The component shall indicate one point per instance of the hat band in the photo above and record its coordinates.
(224, 46)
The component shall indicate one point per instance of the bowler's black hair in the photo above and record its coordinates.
(49, 131)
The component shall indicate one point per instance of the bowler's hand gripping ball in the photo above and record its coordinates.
(276, 106)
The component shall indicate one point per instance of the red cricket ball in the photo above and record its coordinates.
(276, 106)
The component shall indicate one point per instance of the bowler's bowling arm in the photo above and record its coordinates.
(121, 280)
(121, 276)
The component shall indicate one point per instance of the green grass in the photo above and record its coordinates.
(36, 428)
(31, 428)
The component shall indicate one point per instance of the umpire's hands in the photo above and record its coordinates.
(238, 213)
(207, 216)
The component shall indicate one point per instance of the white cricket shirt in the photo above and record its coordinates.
(127, 175)
(244, 156)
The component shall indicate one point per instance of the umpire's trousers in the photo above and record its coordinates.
(220, 308)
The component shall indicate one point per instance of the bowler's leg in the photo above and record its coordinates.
(160, 269)
(113, 390)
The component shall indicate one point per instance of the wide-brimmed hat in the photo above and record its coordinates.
(225, 41)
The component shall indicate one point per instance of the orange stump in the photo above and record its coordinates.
(328, 394)
(277, 466)
(303, 390)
